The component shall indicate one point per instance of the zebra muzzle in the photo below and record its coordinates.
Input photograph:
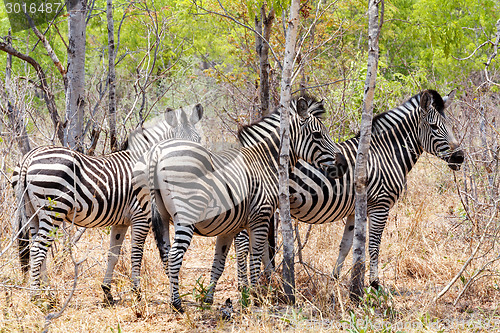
(456, 159)
(336, 169)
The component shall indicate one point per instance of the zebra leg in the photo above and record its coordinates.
(257, 242)
(241, 245)
(345, 245)
(42, 240)
(117, 236)
(140, 230)
(182, 240)
(222, 246)
(270, 250)
(378, 219)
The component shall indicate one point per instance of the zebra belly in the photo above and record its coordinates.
(315, 198)
(58, 197)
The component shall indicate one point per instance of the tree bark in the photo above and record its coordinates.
(360, 171)
(16, 118)
(263, 27)
(284, 196)
(111, 77)
(75, 94)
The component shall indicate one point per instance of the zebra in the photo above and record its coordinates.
(219, 194)
(56, 185)
(399, 137)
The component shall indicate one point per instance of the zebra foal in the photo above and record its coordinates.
(219, 194)
(399, 137)
(56, 185)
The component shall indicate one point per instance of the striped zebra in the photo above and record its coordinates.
(219, 194)
(399, 137)
(57, 186)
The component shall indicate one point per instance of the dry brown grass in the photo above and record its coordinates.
(425, 243)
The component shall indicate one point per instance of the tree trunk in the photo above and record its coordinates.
(263, 27)
(75, 94)
(284, 196)
(360, 172)
(111, 77)
(16, 118)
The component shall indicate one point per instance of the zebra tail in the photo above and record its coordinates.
(156, 219)
(158, 230)
(272, 243)
(21, 229)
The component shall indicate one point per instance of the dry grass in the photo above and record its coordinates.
(425, 243)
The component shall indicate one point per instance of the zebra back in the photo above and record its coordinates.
(178, 124)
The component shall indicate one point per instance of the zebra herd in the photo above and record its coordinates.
(399, 137)
(166, 176)
(55, 185)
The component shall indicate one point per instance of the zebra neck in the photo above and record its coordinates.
(264, 137)
(395, 133)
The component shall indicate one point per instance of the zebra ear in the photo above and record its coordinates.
(196, 114)
(171, 117)
(448, 99)
(302, 108)
(425, 101)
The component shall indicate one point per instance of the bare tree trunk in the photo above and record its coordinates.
(111, 77)
(263, 27)
(75, 94)
(360, 172)
(284, 195)
(15, 117)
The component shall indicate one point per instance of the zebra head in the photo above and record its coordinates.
(434, 131)
(178, 124)
(312, 141)
(181, 126)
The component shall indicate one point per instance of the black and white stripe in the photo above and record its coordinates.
(219, 194)
(56, 185)
(399, 137)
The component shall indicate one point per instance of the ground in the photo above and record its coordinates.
(425, 244)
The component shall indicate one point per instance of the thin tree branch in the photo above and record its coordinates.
(232, 18)
(47, 94)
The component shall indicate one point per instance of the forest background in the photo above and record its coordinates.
(174, 53)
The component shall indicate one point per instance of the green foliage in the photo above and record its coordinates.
(200, 292)
(245, 297)
(118, 329)
(378, 301)
(185, 45)
(431, 35)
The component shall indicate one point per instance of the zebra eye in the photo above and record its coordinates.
(317, 135)
(434, 127)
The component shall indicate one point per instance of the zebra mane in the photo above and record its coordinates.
(315, 108)
(386, 120)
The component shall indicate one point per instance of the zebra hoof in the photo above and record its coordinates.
(375, 284)
(209, 299)
(177, 306)
(137, 294)
(46, 303)
(108, 300)
(108, 297)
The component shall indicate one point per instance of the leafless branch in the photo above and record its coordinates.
(226, 14)
(493, 55)
(47, 94)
